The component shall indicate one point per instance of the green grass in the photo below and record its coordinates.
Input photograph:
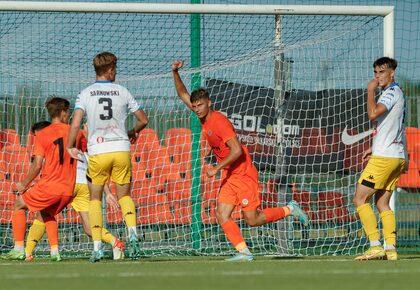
(213, 273)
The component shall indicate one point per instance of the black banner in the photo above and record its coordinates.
(310, 129)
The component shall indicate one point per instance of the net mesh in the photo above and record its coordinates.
(289, 102)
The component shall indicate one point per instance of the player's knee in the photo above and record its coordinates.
(221, 216)
(382, 206)
(357, 201)
(252, 222)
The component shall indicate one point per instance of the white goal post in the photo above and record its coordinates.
(386, 11)
(47, 47)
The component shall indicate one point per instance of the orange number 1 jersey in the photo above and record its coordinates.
(59, 171)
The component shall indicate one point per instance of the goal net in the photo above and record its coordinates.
(290, 85)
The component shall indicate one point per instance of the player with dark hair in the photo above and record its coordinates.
(386, 160)
(53, 191)
(240, 177)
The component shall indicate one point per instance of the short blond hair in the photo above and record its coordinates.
(103, 61)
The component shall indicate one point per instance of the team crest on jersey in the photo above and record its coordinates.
(245, 201)
(99, 140)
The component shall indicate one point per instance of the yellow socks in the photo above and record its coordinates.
(95, 219)
(129, 211)
(369, 222)
(36, 231)
(389, 227)
(107, 237)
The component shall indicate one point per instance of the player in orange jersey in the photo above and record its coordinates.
(53, 191)
(240, 177)
(79, 202)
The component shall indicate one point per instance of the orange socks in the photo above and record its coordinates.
(52, 231)
(19, 227)
(276, 213)
(233, 233)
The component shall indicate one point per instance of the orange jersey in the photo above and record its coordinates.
(59, 170)
(218, 130)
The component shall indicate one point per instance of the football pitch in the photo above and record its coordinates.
(338, 273)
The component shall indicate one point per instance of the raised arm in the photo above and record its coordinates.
(374, 109)
(181, 90)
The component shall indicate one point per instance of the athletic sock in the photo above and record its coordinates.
(132, 232)
(36, 231)
(375, 243)
(276, 213)
(129, 211)
(52, 232)
(95, 219)
(107, 237)
(97, 245)
(389, 228)
(369, 222)
(54, 250)
(233, 233)
(245, 251)
(19, 229)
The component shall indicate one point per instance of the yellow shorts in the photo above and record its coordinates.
(102, 167)
(382, 172)
(81, 197)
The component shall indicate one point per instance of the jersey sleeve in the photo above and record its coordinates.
(79, 103)
(133, 105)
(388, 99)
(225, 129)
(39, 146)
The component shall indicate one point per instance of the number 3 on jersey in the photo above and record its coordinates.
(107, 107)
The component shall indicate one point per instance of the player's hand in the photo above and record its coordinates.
(75, 153)
(372, 85)
(366, 155)
(132, 136)
(177, 64)
(211, 172)
(112, 201)
(19, 187)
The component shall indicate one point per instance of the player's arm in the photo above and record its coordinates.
(366, 155)
(181, 90)
(142, 121)
(374, 109)
(73, 132)
(235, 152)
(110, 198)
(33, 172)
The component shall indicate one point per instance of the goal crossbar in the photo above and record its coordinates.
(96, 7)
(166, 8)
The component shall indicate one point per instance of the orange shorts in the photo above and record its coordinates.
(37, 200)
(241, 189)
